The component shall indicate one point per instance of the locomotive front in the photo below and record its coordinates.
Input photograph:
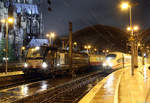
(35, 60)
(109, 61)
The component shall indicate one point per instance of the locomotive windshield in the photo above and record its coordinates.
(36, 53)
(111, 56)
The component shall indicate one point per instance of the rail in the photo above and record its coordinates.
(64, 92)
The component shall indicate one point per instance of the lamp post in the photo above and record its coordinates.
(75, 44)
(126, 5)
(22, 52)
(105, 51)
(6, 22)
(135, 44)
(50, 36)
(87, 47)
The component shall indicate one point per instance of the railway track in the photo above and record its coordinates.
(69, 92)
(12, 81)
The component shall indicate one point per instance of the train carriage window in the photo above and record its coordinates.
(127, 59)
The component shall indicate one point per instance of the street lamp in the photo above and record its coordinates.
(50, 36)
(125, 6)
(6, 22)
(105, 51)
(88, 47)
(134, 28)
(75, 45)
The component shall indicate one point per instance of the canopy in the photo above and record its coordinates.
(37, 42)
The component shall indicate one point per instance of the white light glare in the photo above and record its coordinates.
(109, 58)
(37, 48)
(110, 64)
(58, 64)
(44, 65)
(25, 65)
(104, 64)
(4, 58)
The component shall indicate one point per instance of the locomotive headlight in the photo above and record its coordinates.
(104, 64)
(58, 64)
(44, 65)
(110, 64)
(25, 65)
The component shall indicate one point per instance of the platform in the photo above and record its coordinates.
(11, 73)
(121, 87)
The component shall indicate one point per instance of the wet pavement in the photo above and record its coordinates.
(19, 92)
(121, 87)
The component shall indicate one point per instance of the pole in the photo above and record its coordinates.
(143, 62)
(70, 48)
(136, 52)
(6, 47)
(50, 41)
(132, 44)
(63, 44)
(123, 59)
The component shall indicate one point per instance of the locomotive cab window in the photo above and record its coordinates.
(36, 53)
(111, 56)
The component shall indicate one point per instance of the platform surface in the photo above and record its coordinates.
(11, 73)
(122, 87)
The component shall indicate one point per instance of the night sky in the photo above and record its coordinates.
(85, 13)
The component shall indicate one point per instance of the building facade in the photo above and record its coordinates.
(27, 23)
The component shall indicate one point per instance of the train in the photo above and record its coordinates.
(116, 60)
(47, 60)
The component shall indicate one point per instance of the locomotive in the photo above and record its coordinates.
(116, 60)
(50, 60)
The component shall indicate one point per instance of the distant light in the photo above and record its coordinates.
(110, 64)
(23, 48)
(129, 28)
(95, 49)
(58, 64)
(47, 35)
(33, 49)
(108, 58)
(3, 21)
(4, 58)
(139, 44)
(10, 20)
(44, 65)
(125, 5)
(37, 48)
(104, 64)
(25, 65)
(136, 28)
(85, 47)
(89, 46)
(52, 34)
(75, 43)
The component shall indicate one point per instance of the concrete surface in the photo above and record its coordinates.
(121, 87)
